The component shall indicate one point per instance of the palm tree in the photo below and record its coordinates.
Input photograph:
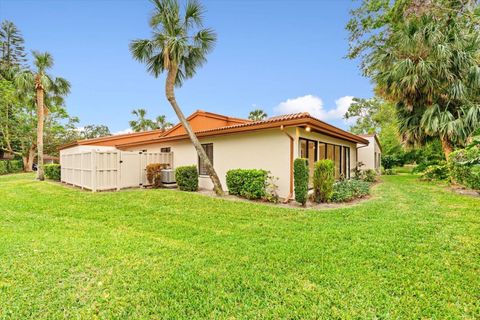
(49, 92)
(142, 123)
(257, 115)
(162, 123)
(178, 46)
(430, 68)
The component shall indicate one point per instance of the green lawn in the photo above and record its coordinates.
(413, 251)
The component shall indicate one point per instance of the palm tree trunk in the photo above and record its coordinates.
(446, 147)
(40, 115)
(170, 92)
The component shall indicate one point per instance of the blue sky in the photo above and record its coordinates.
(281, 56)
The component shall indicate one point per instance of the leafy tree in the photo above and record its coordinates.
(423, 57)
(375, 116)
(142, 123)
(93, 131)
(49, 92)
(257, 115)
(179, 46)
(12, 50)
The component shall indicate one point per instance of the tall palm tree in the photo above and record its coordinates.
(162, 123)
(179, 46)
(257, 115)
(142, 123)
(430, 68)
(49, 92)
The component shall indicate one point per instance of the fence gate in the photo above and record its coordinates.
(109, 170)
(130, 169)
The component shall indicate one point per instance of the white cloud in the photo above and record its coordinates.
(128, 130)
(314, 105)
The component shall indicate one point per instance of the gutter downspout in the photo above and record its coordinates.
(289, 197)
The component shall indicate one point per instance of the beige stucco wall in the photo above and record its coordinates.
(302, 133)
(367, 154)
(266, 149)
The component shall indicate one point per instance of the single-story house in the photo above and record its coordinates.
(370, 155)
(5, 155)
(231, 143)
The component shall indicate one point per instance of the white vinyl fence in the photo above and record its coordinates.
(109, 170)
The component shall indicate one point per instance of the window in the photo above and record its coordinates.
(308, 150)
(166, 149)
(322, 150)
(208, 147)
(346, 162)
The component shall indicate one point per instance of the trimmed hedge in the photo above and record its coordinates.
(10, 166)
(323, 180)
(187, 178)
(52, 171)
(300, 174)
(248, 183)
(348, 190)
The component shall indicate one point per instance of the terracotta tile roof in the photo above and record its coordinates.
(294, 119)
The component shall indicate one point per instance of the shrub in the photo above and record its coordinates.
(435, 172)
(348, 190)
(463, 166)
(323, 180)
(389, 172)
(187, 178)
(3, 167)
(248, 183)
(389, 161)
(10, 166)
(272, 190)
(52, 171)
(422, 166)
(357, 171)
(474, 179)
(370, 175)
(300, 175)
(154, 174)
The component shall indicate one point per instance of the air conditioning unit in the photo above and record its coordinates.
(168, 176)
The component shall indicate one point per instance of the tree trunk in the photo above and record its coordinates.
(169, 90)
(446, 147)
(40, 115)
(28, 159)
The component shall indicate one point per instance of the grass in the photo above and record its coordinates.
(413, 251)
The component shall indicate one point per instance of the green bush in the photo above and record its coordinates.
(10, 166)
(300, 175)
(52, 171)
(323, 180)
(463, 166)
(248, 183)
(348, 190)
(435, 172)
(474, 180)
(389, 161)
(422, 166)
(3, 167)
(389, 172)
(370, 175)
(187, 178)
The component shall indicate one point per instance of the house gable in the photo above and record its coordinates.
(201, 121)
